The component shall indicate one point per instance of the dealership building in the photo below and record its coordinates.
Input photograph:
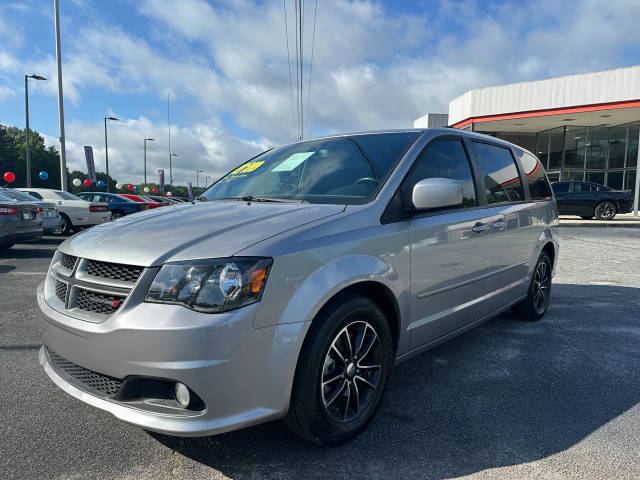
(582, 127)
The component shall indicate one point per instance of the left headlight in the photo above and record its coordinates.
(211, 286)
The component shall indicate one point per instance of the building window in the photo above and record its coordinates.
(595, 177)
(597, 147)
(575, 142)
(617, 146)
(614, 180)
(556, 140)
(542, 148)
(632, 152)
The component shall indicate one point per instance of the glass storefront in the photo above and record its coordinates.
(605, 155)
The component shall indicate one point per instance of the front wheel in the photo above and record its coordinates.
(342, 372)
(535, 305)
(65, 227)
(605, 210)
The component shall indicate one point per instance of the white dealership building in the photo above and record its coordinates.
(582, 127)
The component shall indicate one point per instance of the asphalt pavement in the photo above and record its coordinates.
(553, 399)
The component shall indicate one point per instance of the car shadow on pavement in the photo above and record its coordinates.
(506, 393)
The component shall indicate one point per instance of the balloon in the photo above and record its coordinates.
(168, 194)
(87, 183)
(136, 188)
(43, 175)
(100, 183)
(9, 177)
(76, 182)
(118, 186)
(155, 190)
(129, 187)
(146, 189)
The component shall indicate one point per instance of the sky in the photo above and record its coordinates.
(376, 65)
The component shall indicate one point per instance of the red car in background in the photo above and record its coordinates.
(136, 198)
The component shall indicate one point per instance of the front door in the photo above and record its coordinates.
(449, 249)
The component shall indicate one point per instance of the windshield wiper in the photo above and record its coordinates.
(201, 198)
(251, 198)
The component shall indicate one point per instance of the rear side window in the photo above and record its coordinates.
(35, 194)
(538, 185)
(582, 187)
(444, 159)
(501, 178)
(562, 187)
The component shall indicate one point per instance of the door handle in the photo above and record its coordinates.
(500, 224)
(480, 227)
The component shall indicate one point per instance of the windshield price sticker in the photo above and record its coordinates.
(246, 168)
(292, 162)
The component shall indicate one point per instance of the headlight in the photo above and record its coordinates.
(211, 286)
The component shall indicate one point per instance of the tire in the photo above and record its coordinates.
(606, 210)
(116, 214)
(65, 227)
(336, 412)
(534, 306)
(587, 217)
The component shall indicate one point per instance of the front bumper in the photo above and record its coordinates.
(242, 374)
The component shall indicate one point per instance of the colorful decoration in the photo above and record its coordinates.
(129, 187)
(87, 183)
(146, 189)
(100, 183)
(155, 190)
(77, 182)
(136, 188)
(168, 194)
(9, 177)
(118, 186)
(43, 175)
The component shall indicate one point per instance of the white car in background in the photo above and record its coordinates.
(76, 213)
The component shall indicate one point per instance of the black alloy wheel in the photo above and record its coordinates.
(535, 305)
(605, 210)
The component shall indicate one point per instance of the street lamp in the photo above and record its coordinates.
(106, 150)
(145, 157)
(206, 180)
(26, 108)
(171, 155)
(197, 178)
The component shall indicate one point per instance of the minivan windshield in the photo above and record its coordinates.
(338, 170)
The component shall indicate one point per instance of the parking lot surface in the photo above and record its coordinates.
(554, 399)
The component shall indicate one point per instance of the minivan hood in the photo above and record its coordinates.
(185, 232)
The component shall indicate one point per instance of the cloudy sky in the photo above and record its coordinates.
(377, 64)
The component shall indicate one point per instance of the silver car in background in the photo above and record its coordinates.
(19, 222)
(297, 281)
(51, 220)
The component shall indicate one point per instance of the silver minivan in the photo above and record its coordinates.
(290, 287)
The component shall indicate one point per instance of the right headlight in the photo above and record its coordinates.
(211, 286)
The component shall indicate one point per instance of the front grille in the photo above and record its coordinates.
(98, 302)
(93, 382)
(68, 261)
(114, 271)
(61, 290)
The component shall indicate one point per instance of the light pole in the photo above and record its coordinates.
(171, 155)
(145, 158)
(63, 151)
(26, 109)
(206, 180)
(106, 150)
(197, 177)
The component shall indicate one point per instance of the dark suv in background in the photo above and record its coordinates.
(589, 200)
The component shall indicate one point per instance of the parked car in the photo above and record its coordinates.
(138, 198)
(118, 204)
(51, 220)
(76, 213)
(19, 221)
(297, 281)
(161, 203)
(163, 200)
(590, 200)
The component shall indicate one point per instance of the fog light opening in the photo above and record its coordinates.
(182, 394)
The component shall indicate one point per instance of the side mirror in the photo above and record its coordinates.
(433, 193)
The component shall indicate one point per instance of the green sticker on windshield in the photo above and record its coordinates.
(292, 162)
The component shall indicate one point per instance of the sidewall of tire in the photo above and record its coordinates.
(313, 422)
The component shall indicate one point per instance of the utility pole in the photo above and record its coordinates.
(106, 151)
(169, 125)
(26, 132)
(63, 155)
(198, 172)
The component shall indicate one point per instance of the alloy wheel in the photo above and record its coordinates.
(542, 286)
(351, 372)
(606, 211)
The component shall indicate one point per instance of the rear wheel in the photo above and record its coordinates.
(342, 372)
(64, 227)
(535, 305)
(605, 210)
(116, 214)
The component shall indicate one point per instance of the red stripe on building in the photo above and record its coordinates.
(549, 111)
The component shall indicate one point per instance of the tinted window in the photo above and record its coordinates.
(66, 195)
(582, 187)
(444, 159)
(538, 184)
(500, 174)
(562, 187)
(35, 194)
(20, 196)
